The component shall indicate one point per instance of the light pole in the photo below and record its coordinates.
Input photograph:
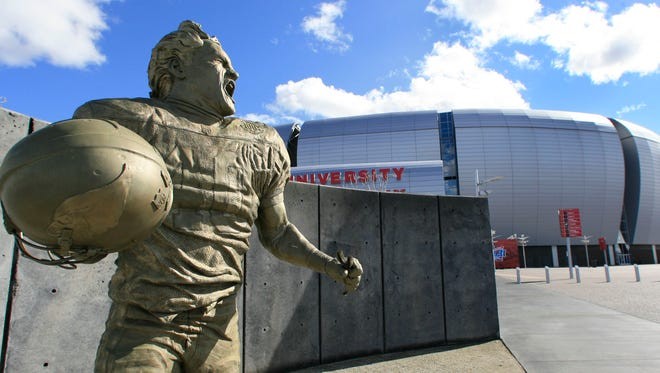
(585, 241)
(477, 184)
(522, 240)
(492, 244)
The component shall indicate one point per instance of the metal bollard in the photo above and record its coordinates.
(607, 273)
(547, 275)
(637, 277)
(577, 274)
(517, 275)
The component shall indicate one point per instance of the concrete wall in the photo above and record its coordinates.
(428, 280)
(13, 127)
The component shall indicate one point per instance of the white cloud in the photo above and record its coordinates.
(263, 118)
(324, 27)
(431, 7)
(558, 63)
(64, 32)
(601, 6)
(587, 40)
(493, 20)
(449, 77)
(629, 109)
(269, 119)
(604, 49)
(524, 61)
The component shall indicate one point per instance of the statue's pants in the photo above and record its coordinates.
(200, 340)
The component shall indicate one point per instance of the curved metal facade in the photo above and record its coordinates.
(641, 150)
(410, 136)
(547, 160)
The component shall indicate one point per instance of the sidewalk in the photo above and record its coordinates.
(491, 357)
(592, 326)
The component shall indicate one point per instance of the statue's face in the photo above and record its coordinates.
(212, 78)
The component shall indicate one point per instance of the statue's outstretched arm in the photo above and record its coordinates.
(284, 241)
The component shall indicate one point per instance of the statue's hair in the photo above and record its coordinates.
(176, 45)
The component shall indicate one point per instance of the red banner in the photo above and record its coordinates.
(505, 254)
(569, 223)
(602, 244)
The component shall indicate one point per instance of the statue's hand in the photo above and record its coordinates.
(346, 270)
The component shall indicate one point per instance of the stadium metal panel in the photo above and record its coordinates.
(529, 163)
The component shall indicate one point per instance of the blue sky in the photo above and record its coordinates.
(301, 60)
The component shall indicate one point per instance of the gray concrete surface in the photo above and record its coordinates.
(282, 317)
(58, 316)
(467, 259)
(591, 326)
(412, 272)
(13, 127)
(490, 357)
(351, 325)
(623, 294)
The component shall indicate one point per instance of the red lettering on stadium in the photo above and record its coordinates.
(350, 177)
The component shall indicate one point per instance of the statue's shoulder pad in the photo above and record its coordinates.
(255, 128)
(116, 108)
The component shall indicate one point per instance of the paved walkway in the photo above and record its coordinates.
(591, 326)
(491, 357)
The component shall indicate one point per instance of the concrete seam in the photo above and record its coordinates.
(382, 270)
(318, 239)
(13, 285)
(442, 268)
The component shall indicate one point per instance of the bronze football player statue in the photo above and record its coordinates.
(174, 294)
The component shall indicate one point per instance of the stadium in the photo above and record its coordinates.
(529, 164)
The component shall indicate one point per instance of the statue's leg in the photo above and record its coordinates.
(136, 341)
(217, 346)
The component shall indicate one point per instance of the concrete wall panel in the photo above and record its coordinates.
(412, 271)
(282, 300)
(13, 127)
(469, 281)
(38, 124)
(351, 325)
(58, 316)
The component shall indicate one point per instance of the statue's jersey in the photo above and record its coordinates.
(221, 175)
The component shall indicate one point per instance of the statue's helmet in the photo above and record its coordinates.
(84, 186)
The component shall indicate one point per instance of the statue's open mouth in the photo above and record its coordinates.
(230, 87)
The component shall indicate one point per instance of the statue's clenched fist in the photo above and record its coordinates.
(346, 270)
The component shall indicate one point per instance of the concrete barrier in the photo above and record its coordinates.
(281, 313)
(467, 262)
(428, 280)
(13, 127)
(57, 316)
(412, 272)
(352, 325)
